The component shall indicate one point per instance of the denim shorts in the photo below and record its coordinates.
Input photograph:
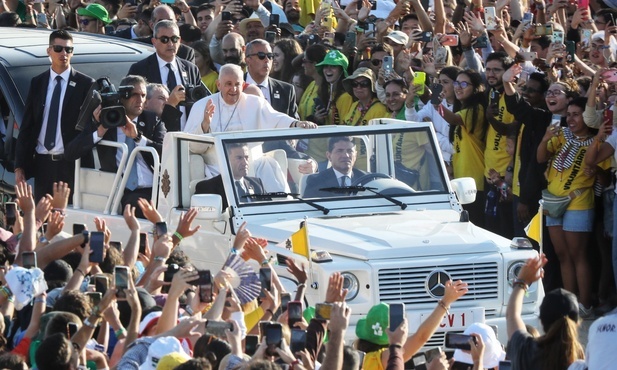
(574, 221)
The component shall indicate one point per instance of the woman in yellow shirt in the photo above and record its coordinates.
(312, 55)
(468, 128)
(207, 70)
(361, 85)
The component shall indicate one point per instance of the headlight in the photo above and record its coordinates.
(351, 283)
(513, 270)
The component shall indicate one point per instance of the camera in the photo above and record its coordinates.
(112, 112)
(194, 93)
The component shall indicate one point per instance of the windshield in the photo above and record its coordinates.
(396, 163)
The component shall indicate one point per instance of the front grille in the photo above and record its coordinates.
(407, 284)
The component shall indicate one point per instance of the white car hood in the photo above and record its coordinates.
(388, 236)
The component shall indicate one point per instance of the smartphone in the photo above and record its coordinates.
(449, 40)
(130, 2)
(168, 275)
(426, 36)
(143, 243)
(388, 64)
(168, 1)
(505, 365)
(397, 315)
(586, 38)
(274, 336)
(41, 18)
(318, 103)
(608, 116)
(297, 340)
(294, 313)
(117, 245)
(10, 212)
(557, 37)
(370, 28)
(610, 75)
(528, 17)
(95, 298)
(101, 284)
(326, 22)
(71, 329)
(250, 344)
(419, 79)
(121, 279)
(548, 29)
(28, 260)
(285, 299)
(460, 341)
(419, 361)
(78, 228)
(97, 240)
(490, 18)
(432, 353)
(274, 19)
(436, 90)
(218, 328)
(226, 16)
(328, 38)
(265, 277)
(204, 278)
(205, 293)
(161, 228)
(556, 122)
(528, 56)
(350, 40)
(481, 42)
(323, 311)
(571, 50)
(271, 37)
(582, 4)
(262, 328)
(373, 4)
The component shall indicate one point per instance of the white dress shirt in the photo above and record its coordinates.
(179, 80)
(264, 86)
(51, 85)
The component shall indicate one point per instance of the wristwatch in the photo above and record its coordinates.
(138, 137)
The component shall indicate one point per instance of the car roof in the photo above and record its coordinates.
(27, 47)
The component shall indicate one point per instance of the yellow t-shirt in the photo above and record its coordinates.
(355, 118)
(307, 105)
(468, 157)
(409, 149)
(516, 184)
(563, 183)
(210, 81)
(495, 155)
(372, 360)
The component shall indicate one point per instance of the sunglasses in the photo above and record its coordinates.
(261, 55)
(462, 85)
(59, 48)
(364, 84)
(85, 21)
(166, 39)
(376, 62)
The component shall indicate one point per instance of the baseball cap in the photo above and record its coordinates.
(172, 360)
(158, 349)
(398, 37)
(493, 352)
(95, 11)
(373, 327)
(557, 304)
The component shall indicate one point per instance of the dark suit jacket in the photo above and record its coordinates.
(123, 33)
(282, 97)
(184, 52)
(148, 125)
(76, 91)
(326, 179)
(149, 69)
(215, 186)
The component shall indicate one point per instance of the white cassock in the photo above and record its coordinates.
(249, 113)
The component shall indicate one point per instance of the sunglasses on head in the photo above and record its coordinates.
(462, 85)
(261, 55)
(355, 84)
(59, 48)
(376, 62)
(166, 39)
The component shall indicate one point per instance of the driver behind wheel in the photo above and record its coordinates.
(342, 155)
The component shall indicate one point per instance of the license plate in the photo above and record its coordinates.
(459, 319)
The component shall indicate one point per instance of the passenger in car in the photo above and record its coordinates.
(342, 155)
(245, 186)
(51, 110)
(141, 128)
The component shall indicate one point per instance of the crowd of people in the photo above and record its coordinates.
(520, 94)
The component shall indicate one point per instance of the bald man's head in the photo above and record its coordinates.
(233, 48)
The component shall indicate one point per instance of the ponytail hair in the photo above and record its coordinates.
(560, 346)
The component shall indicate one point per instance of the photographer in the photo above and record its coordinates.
(139, 128)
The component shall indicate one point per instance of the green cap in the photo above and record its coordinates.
(95, 11)
(334, 58)
(373, 327)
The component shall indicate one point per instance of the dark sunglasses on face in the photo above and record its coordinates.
(355, 84)
(376, 62)
(59, 48)
(166, 39)
(261, 55)
(85, 21)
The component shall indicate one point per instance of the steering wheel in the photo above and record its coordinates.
(365, 179)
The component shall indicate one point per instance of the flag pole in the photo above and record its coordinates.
(308, 247)
(541, 211)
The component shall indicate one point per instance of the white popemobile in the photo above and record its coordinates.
(396, 233)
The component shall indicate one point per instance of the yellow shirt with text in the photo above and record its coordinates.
(495, 155)
(468, 157)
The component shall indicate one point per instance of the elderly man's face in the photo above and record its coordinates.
(157, 101)
(255, 30)
(230, 87)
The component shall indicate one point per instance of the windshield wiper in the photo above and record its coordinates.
(355, 189)
(281, 194)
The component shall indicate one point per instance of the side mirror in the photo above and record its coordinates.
(465, 189)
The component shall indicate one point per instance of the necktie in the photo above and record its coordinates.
(263, 91)
(241, 191)
(171, 79)
(344, 181)
(52, 117)
(131, 183)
